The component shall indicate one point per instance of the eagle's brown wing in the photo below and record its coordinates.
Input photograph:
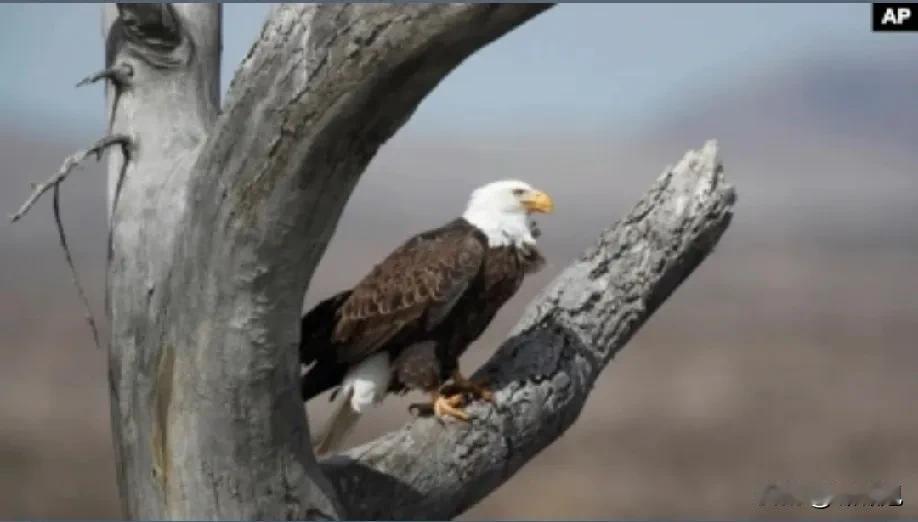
(410, 291)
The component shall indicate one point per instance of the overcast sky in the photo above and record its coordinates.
(585, 66)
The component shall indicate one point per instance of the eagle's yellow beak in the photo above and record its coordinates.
(538, 201)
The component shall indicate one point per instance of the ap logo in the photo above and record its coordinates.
(894, 17)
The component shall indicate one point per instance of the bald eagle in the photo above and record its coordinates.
(406, 323)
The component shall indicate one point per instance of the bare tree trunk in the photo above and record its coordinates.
(167, 106)
(217, 223)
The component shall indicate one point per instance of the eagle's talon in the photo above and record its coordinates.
(441, 406)
(449, 407)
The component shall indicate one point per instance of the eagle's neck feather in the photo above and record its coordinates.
(501, 228)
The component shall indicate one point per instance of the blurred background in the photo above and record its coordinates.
(789, 356)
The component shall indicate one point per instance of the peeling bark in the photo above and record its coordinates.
(544, 373)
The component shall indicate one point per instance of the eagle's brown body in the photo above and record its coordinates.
(423, 305)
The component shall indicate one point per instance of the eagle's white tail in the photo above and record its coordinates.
(338, 427)
(364, 385)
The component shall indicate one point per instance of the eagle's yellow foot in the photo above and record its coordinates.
(442, 406)
(475, 389)
(449, 406)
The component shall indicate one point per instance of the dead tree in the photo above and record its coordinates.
(218, 218)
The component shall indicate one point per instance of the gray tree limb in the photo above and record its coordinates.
(54, 184)
(70, 163)
(544, 373)
(218, 220)
(118, 74)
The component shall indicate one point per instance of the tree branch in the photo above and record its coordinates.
(117, 74)
(70, 162)
(74, 275)
(54, 183)
(545, 371)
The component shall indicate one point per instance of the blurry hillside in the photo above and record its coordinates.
(789, 355)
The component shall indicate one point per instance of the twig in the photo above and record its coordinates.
(72, 161)
(55, 182)
(56, 203)
(118, 74)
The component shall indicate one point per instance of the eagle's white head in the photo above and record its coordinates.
(501, 210)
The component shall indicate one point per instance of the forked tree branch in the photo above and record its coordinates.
(544, 373)
(70, 162)
(54, 184)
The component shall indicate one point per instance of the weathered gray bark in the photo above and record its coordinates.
(218, 221)
(167, 107)
(544, 373)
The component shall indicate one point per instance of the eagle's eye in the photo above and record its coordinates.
(519, 192)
